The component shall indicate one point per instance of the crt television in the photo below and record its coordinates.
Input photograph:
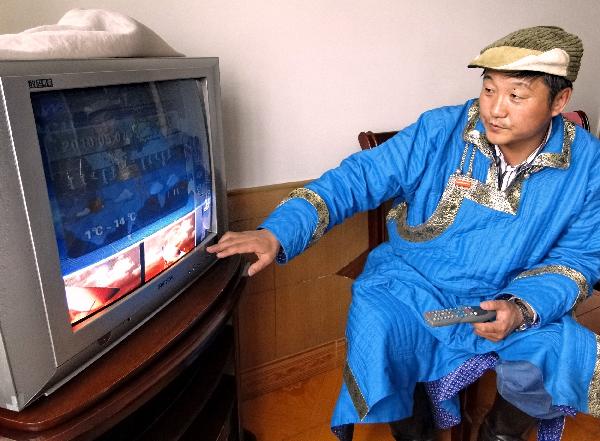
(111, 186)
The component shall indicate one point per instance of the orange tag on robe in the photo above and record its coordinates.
(463, 183)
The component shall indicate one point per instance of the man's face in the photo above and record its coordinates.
(515, 112)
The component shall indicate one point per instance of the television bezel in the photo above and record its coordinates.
(71, 348)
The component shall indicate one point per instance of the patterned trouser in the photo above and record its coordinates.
(450, 385)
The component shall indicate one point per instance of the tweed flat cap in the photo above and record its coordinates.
(547, 49)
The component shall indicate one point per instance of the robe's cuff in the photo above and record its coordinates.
(551, 291)
(298, 221)
(535, 321)
(318, 204)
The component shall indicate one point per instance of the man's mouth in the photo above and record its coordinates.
(495, 126)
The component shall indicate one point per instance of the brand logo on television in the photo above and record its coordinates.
(165, 282)
(40, 83)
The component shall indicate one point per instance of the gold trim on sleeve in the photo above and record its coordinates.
(594, 390)
(356, 395)
(319, 205)
(572, 274)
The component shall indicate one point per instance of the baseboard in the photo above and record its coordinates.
(293, 369)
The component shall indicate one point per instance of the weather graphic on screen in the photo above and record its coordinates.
(128, 175)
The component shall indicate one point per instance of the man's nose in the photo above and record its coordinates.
(499, 108)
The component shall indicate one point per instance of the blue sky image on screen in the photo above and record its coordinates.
(128, 176)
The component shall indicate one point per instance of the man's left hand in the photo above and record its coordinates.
(508, 318)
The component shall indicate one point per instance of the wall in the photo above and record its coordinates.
(300, 78)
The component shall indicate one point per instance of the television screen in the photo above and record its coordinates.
(128, 176)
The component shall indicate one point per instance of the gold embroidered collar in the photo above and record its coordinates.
(462, 186)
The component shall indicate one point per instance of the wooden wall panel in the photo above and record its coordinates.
(311, 313)
(258, 202)
(291, 370)
(293, 311)
(257, 328)
(334, 251)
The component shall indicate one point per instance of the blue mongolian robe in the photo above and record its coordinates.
(455, 239)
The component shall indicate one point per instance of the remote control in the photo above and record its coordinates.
(460, 314)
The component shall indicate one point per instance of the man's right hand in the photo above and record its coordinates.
(260, 242)
(508, 318)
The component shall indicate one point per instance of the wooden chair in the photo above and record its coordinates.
(588, 313)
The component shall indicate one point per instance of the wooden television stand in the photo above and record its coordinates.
(174, 378)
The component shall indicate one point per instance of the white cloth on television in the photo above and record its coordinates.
(86, 33)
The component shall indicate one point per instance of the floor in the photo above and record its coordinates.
(301, 413)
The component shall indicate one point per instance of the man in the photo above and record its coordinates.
(496, 204)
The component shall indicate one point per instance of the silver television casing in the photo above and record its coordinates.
(39, 349)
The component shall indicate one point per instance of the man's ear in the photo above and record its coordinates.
(561, 100)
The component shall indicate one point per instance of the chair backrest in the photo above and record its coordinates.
(369, 140)
(579, 117)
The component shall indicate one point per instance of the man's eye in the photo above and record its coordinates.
(516, 97)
